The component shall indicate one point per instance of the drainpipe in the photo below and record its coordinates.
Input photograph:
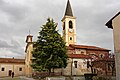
(71, 66)
(13, 65)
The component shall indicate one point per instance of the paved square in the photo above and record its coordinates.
(17, 78)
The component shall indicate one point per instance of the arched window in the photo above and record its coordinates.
(75, 64)
(70, 38)
(70, 24)
(101, 55)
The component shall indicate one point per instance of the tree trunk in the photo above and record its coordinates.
(49, 71)
(53, 70)
(91, 69)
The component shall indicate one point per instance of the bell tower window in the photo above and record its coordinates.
(70, 38)
(70, 24)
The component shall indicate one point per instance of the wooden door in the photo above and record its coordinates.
(10, 72)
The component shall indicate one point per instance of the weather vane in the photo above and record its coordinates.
(29, 31)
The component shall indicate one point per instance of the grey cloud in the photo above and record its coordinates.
(15, 12)
(13, 47)
(2, 2)
(91, 21)
(91, 18)
(18, 51)
(4, 44)
(15, 44)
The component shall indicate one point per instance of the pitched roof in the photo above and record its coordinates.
(68, 11)
(109, 23)
(29, 36)
(12, 60)
(82, 56)
(70, 48)
(87, 47)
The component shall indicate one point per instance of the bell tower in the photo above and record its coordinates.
(28, 57)
(68, 24)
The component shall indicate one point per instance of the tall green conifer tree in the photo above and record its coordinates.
(50, 50)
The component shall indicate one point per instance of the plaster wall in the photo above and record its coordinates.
(81, 67)
(28, 68)
(116, 31)
(13, 67)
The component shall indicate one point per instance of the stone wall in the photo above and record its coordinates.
(79, 78)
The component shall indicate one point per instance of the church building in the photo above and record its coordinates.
(79, 55)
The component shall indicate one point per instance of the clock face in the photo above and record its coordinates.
(70, 30)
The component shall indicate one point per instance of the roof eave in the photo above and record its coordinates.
(109, 23)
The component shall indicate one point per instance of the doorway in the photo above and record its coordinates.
(10, 72)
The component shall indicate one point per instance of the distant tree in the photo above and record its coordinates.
(90, 65)
(50, 50)
(110, 63)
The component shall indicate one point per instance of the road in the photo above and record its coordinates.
(17, 78)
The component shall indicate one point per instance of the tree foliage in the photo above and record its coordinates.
(50, 49)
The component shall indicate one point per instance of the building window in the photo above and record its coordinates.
(75, 64)
(70, 38)
(101, 55)
(70, 25)
(3, 69)
(82, 52)
(20, 69)
(109, 67)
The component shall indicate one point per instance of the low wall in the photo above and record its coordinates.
(66, 78)
(80, 78)
(55, 78)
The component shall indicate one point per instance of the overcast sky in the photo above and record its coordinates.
(17, 17)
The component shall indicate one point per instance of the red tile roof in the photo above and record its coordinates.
(12, 60)
(70, 48)
(86, 47)
(82, 56)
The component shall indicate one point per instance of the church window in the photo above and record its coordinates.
(3, 69)
(64, 26)
(20, 69)
(70, 38)
(70, 24)
(75, 64)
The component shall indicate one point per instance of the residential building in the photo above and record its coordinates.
(114, 23)
(9, 65)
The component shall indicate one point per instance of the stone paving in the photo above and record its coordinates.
(17, 78)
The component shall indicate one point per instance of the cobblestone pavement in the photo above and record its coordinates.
(17, 78)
